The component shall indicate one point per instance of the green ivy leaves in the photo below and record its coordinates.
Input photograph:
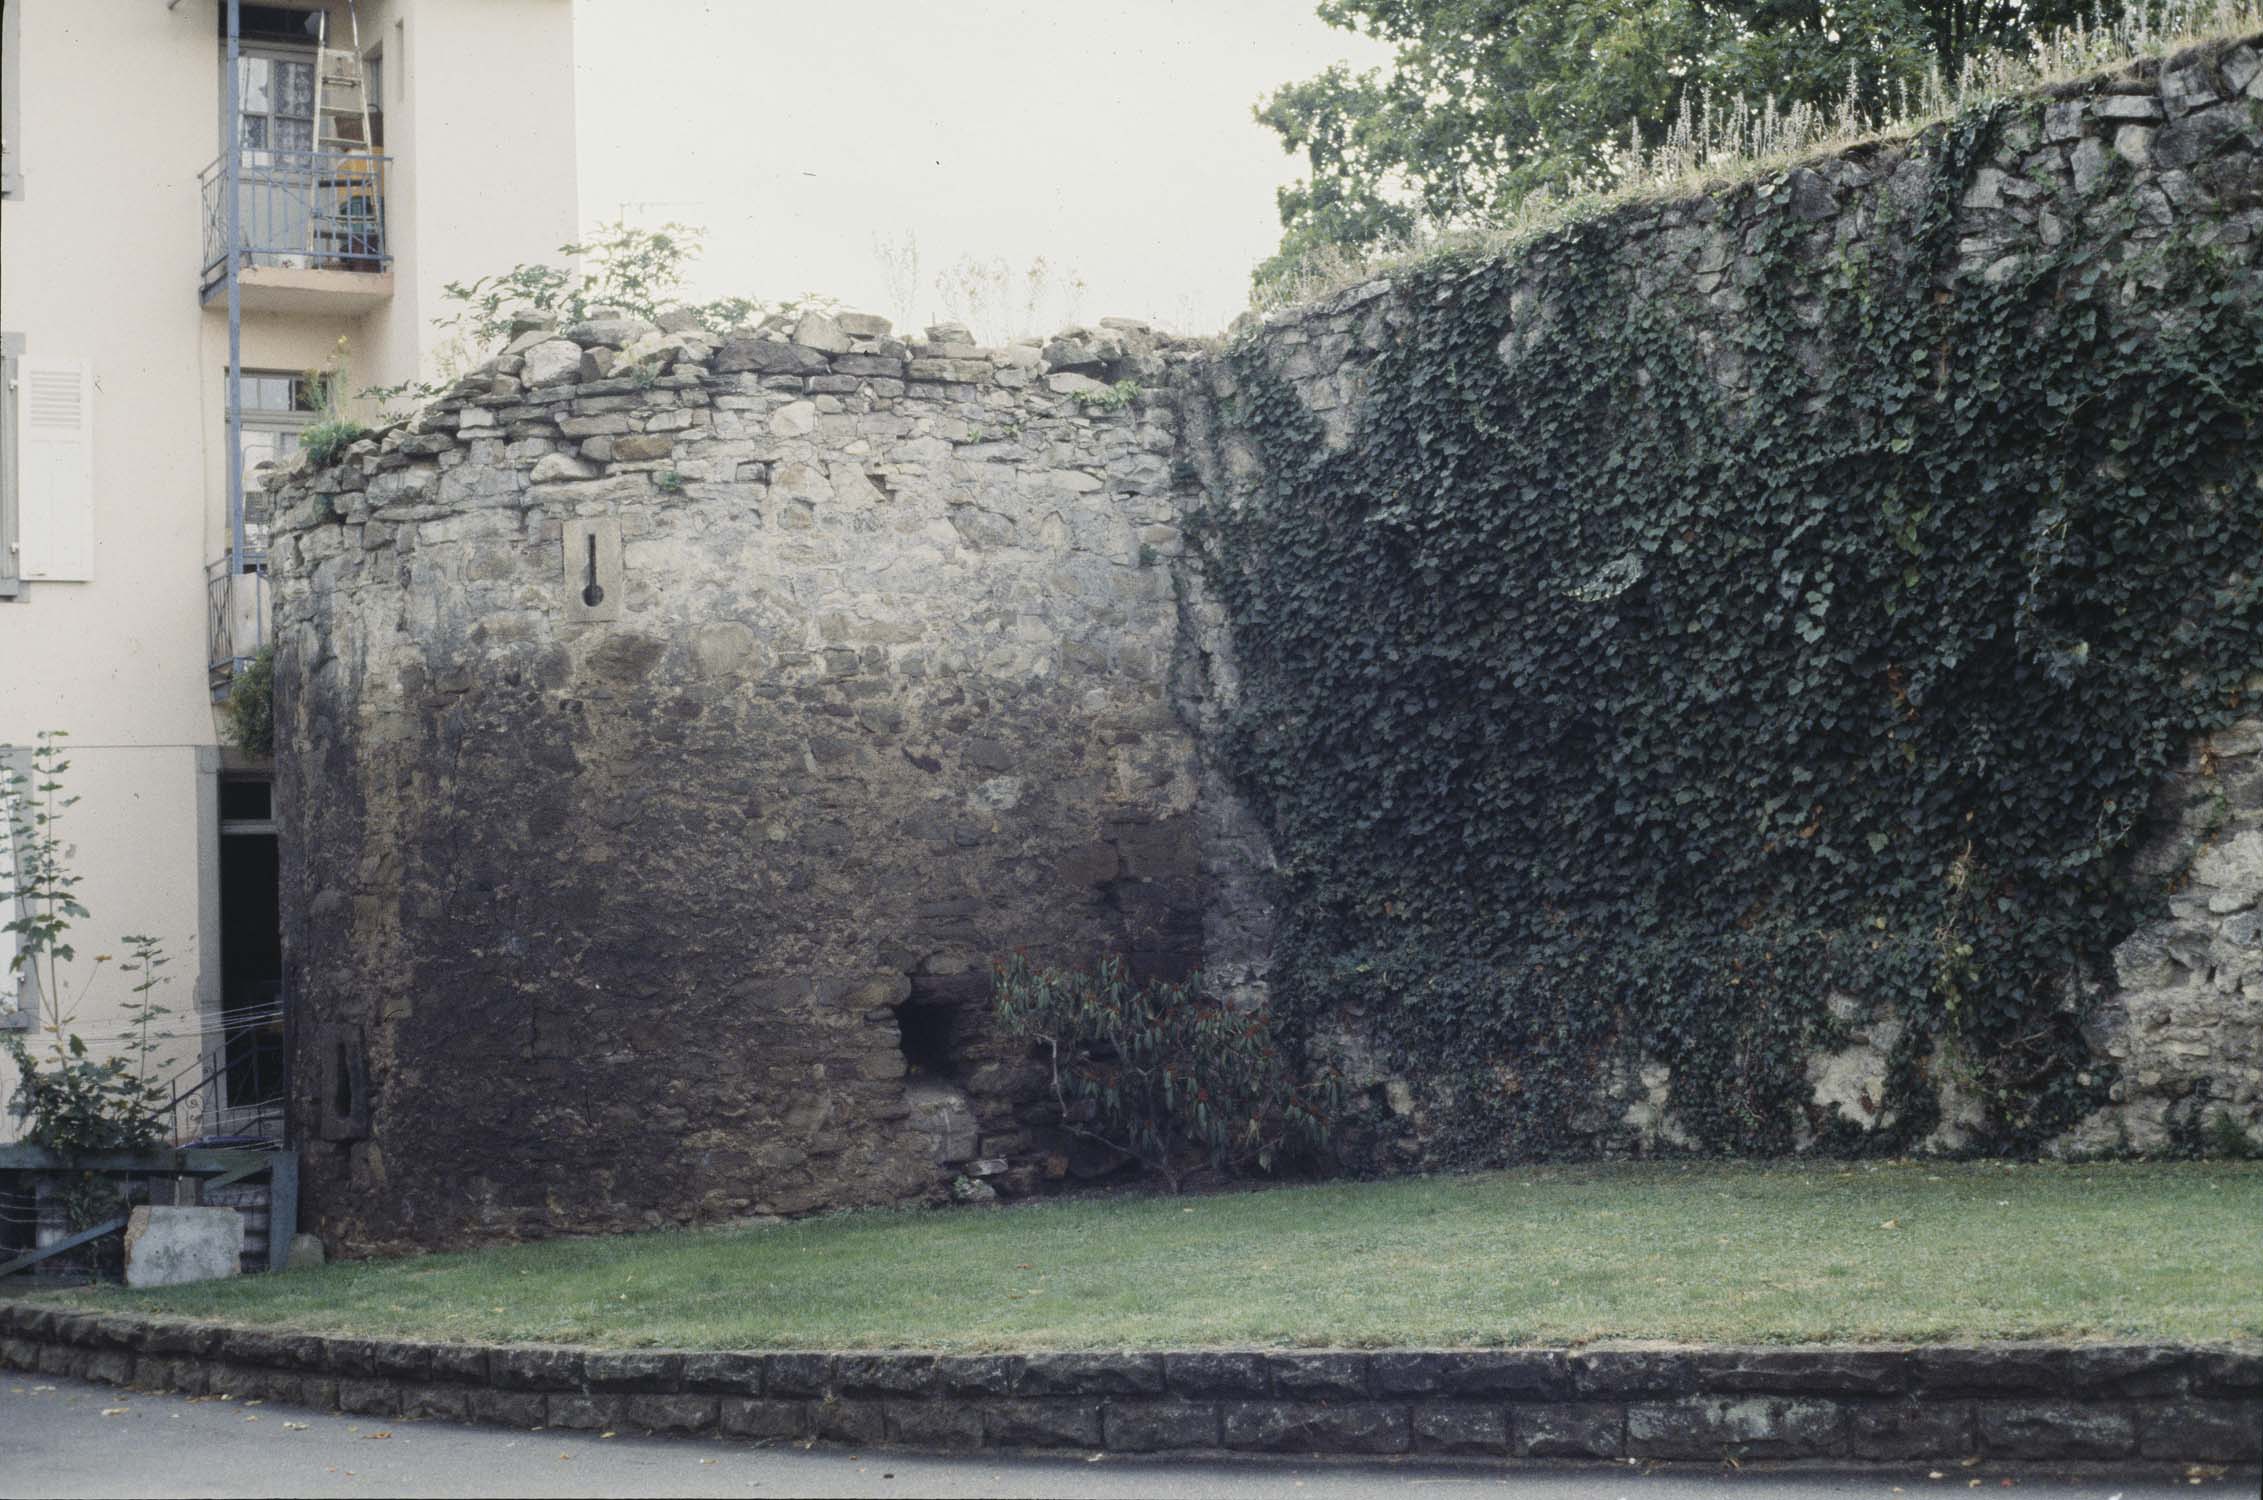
(1633, 695)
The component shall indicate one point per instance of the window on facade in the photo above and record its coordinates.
(274, 80)
(277, 407)
(374, 67)
(281, 22)
(274, 104)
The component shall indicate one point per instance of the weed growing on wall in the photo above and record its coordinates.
(618, 270)
(1161, 1072)
(1717, 139)
(1632, 689)
(326, 442)
(250, 710)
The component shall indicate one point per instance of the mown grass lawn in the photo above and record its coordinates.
(1868, 1253)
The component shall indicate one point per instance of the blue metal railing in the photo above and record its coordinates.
(235, 616)
(308, 210)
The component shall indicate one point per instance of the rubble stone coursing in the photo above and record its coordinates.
(2124, 160)
(674, 905)
(673, 900)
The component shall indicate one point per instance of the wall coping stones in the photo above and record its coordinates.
(2124, 1405)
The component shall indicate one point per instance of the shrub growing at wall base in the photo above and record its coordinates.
(1633, 686)
(1162, 1073)
(251, 705)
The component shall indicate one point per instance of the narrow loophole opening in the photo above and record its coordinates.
(342, 1094)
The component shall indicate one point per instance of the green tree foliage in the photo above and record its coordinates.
(638, 271)
(620, 268)
(1599, 707)
(1487, 101)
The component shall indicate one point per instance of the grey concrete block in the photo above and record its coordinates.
(2202, 1431)
(1735, 1427)
(179, 1246)
(1527, 1374)
(750, 1417)
(675, 1414)
(633, 1370)
(724, 1373)
(884, 1374)
(1460, 1429)
(1910, 1430)
(935, 1424)
(1092, 1375)
(510, 1408)
(978, 1374)
(1308, 1377)
(1222, 1373)
(2056, 1429)
(1042, 1424)
(1160, 1426)
(1292, 1427)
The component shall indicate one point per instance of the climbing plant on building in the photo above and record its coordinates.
(1636, 682)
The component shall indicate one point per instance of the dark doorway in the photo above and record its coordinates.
(251, 960)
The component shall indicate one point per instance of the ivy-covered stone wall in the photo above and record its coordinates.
(1772, 670)
(1779, 669)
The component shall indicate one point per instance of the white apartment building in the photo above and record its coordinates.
(382, 150)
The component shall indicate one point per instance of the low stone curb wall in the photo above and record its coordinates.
(2025, 1402)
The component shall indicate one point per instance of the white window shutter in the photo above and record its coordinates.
(55, 472)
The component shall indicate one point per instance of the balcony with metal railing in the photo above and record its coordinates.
(236, 617)
(309, 231)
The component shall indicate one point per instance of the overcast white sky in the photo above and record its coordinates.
(1112, 137)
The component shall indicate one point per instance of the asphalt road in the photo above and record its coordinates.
(67, 1437)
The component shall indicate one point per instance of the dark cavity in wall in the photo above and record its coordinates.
(928, 1031)
(940, 1024)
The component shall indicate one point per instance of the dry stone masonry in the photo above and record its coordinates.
(674, 727)
(679, 726)
(2122, 160)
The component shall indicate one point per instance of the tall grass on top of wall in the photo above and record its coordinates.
(1713, 142)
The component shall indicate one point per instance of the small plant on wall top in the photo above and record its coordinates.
(1162, 1073)
(618, 270)
(74, 1102)
(1109, 398)
(327, 440)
